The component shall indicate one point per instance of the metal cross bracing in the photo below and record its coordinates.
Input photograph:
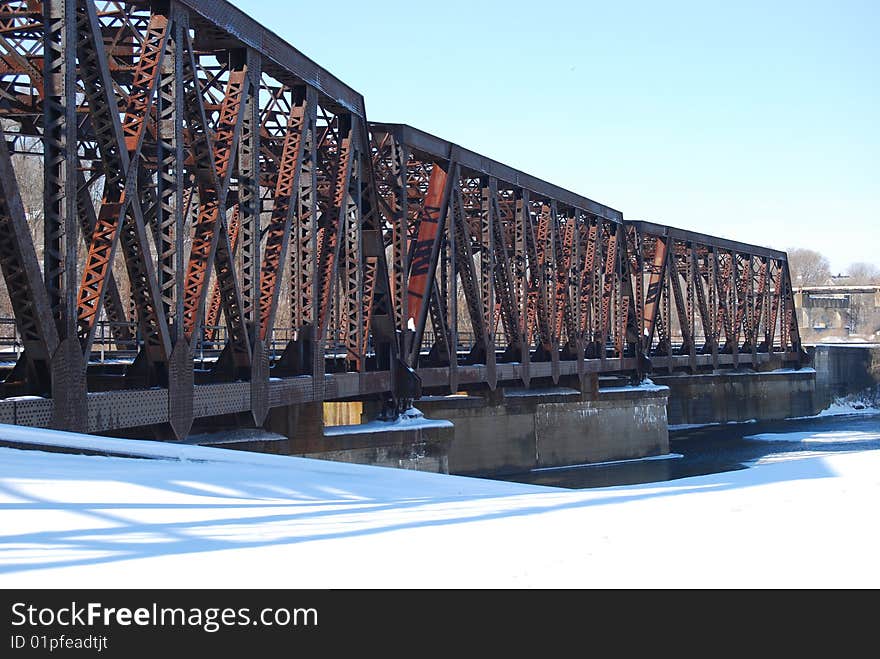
(710, 302)
(198, 222)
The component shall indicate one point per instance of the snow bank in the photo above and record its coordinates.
(845, 407)
(818, 437)
(197, 517)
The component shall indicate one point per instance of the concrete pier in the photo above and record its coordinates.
(299, 430)
(515, 430)
(732, 396)
(847, 370)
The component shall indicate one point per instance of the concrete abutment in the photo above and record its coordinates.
(736, 396)
(848, 372)
(513, 430)
(518, 430)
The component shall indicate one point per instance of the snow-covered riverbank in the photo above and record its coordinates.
(205, 517)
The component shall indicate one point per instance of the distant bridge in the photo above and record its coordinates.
(198, 224)
(838, 312)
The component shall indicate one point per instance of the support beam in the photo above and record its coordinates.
(425, 250)
(21, 272)
(213, 158)
(300, 128)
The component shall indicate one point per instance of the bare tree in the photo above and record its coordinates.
(863, 308)
(808, 267)
(861, 274)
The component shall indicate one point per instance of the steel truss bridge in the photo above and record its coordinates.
(199, 224)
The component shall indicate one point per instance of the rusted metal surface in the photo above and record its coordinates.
(221, 232)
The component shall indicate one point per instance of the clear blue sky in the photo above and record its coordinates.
(756, 121)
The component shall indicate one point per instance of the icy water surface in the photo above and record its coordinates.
(698, 451)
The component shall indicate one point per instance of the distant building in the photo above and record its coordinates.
(831, 314)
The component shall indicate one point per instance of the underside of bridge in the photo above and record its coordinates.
(199, 225)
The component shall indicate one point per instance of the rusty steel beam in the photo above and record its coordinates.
(700, 278)
(300, 125)
(425, 250)
(113, 305)
(467, 269)
(249, 200)
(543, 252)
(737, 289)
(280, 58)
(214, 155)
(390, 157)
(21, 271)
(674, 268)
(351, 269)
(328, 234)
(59, 147)
(611, 260)
(479, 165)
(119, 216)
(379, 304)
(505, 287)
(212, 331)
(587, 283)
(565, 254)
(171, 181)
(650, 228)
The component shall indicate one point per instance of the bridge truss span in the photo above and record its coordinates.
(197, 222)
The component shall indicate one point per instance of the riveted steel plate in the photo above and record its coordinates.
(36, 413)
(217, 399)
(127, 409)
(347, 384)
(540, 369)
(260, 383)
(69, 387)
(7, 412)
(291, 391)
(180, 390)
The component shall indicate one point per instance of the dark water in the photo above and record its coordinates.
(715, 449)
